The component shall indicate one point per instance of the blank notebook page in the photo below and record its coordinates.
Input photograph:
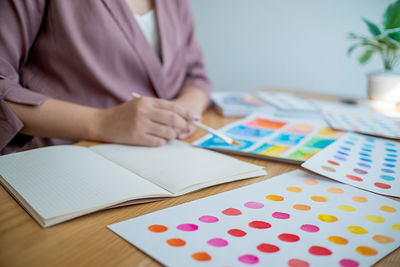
(177, 165)
(60, 180)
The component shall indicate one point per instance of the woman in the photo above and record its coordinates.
(68, 70)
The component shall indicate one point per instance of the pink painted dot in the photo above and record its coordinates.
(280, 215)
(298, 263)
(248, 259)
(217, 242)
(309, 228)
(232, 212)
(254, 205)
(208, 219)
(349, 263)
(187, 227)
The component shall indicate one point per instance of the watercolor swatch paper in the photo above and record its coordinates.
(366, 162)
(271, 137)
(288, 102)
(295, 219)
(360, 119)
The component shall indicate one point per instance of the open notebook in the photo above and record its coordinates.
(58, 183)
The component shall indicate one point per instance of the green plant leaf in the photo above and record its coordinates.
(395, 35)
(391, 18)
(372, 27)
(352, 48)
(366, 56)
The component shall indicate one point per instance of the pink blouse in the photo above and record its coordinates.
(92, 53)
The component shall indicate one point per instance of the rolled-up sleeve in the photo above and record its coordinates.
(196, 73)
(20, 22)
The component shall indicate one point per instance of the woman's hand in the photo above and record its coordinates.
(143, 121)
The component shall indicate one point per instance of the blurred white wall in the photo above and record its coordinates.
(249, 44)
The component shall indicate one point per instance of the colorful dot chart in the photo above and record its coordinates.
(366, 162)
(294, 219)
(270, 137)
(360, 119)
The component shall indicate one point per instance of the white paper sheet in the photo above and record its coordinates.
(366, 162)
(295, 219)
(360, 119)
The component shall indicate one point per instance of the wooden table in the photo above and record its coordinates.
(86, 241)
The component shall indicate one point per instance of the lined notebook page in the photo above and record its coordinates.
(61, 180)
(178, 165)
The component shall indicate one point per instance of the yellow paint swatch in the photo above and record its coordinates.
(294, 189)
(319, 198)
(360, 199)
(338, 240)
(366, 251)
(396, 226)
(275, 151)
(387, 209)
(327, 218)
(382, 239)
(358, 230)
(274, 198)
(375, 218)
(346, 208)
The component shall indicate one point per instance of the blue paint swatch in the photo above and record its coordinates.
(246, 131)
(216, 142)
(288, 139)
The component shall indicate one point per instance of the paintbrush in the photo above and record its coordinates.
(206, 128)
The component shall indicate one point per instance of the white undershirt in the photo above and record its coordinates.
(149, 26)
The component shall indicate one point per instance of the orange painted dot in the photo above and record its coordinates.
(366, 251)
(274, 198)
(382, 239)
(387, 209)
(176, 242)
(319, 199)
(310, 181)
(201, 256)
(360, 199)
(396, 226)
(301, 207)
(338, 240)
(156, 228)
(294, 189)
(327, 218)
(335, 190)
(357, 230)
(333, 162)
(328, 169)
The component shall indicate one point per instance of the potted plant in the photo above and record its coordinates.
(384, 40)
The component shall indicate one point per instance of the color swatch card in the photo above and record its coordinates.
(360, 119)
(238, 103)
(271, 137)
(295, 219)
(362, 161)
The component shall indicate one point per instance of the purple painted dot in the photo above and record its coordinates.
(389, 165)
(280, 215)
(248, 259)
(217, 242)
(309, 228)
(339, 158)
(359, 171)
(345, 148)
(253, 205)
(208, 219)
(349, 143)
(187, 227)
(349, 263)
(387, 170)
(365, 165)
(343, 153)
